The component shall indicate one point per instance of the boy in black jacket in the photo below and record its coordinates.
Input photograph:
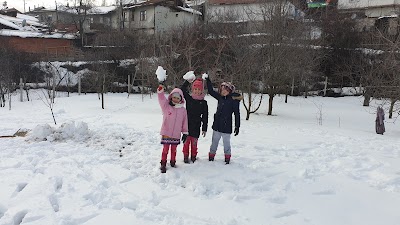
(197, 111)
(228, 103)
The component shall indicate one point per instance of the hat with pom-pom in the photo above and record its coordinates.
(198, 83)
(228, 85)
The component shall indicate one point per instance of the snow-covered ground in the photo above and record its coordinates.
(286, 169)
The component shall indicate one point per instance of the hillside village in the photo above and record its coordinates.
(223, 37)
(99, 105)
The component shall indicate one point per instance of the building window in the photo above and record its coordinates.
(125, 16)
(133, 15)
(143, 16)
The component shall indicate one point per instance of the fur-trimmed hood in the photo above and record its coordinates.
(237, 96)
(179, 91)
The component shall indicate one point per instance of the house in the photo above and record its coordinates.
(100, 18)
(61, 18)
(158, 16)
(244, 13)
(24, 33)
(380, 13)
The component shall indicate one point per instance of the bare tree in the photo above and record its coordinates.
(80, 15)
(282, 47)
(181, 49)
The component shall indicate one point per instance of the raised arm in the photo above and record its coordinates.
(185, 92)
(211, 90)
(162, 100)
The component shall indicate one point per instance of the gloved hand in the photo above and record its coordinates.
(204, 133)
(236, 131)
(184, 136)
(160, 88)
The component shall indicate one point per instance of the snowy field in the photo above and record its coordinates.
(285, 169)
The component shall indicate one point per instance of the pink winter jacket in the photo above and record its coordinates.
(174, 117)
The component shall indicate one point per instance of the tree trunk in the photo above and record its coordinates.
(249, 108)
(392, 102)
(102, 98)
(271, 98)
(286, 97)
(367, 98)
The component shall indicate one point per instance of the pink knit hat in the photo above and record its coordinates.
(198, 83)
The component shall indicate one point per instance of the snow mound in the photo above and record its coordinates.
(78, 131)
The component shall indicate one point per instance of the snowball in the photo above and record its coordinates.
(161, 74)
(189, 76)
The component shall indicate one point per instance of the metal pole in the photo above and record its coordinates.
(79, 85)
(21, 88)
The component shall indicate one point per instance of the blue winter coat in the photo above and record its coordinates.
(226, 106)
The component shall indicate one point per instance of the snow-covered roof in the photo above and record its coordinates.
(156, 2)
(190, 10)
(96, 10)
(21, 24)
(391, 16)
(31, 34)
(27, 17)
(101, 10)
(7, 23)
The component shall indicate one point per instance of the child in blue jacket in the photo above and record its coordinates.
(228, 104)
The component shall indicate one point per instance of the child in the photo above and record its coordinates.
(197, 112)
(174, 123)
(228, 103)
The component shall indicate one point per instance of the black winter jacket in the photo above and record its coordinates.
(197, 111)
(226, 106)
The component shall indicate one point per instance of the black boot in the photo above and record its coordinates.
(186, 159)
(227, 159)
(193, 158)
(172, 163)
(211, 156)
(163, 167)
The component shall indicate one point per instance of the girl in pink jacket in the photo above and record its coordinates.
(174, 123)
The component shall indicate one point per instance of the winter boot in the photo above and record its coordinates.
(186, 159)
(227, 159)
(211, 156)
(193, 158)
(172, 163)
(163, 167)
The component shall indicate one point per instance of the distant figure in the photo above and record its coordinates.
(379, 121)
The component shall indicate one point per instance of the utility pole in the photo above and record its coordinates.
(24, 6)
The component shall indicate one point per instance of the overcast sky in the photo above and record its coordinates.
(19, 4)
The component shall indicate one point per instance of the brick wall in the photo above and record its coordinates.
(41, 46)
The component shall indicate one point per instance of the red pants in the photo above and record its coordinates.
(165, 152)
(192, 142)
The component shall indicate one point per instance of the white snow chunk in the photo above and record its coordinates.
(189, 76)
(161, 74)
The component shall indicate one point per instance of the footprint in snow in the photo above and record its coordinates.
(286, 214)
(325, 192)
